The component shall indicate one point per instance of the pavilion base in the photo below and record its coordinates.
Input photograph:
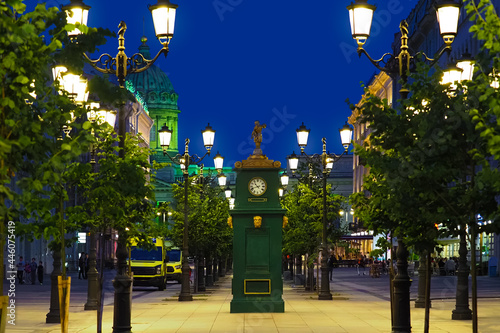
(259, 306)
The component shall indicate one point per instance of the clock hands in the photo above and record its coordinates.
(257, 186)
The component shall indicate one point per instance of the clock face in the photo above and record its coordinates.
(257, 186)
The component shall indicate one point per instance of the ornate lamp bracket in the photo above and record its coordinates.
(121, 65)
(404, 62)
(185, 158)
(320, 158)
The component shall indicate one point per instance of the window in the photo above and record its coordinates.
(141, 254)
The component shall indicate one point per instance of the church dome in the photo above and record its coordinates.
(152, 88)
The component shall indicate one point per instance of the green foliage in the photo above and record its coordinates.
(34, 154)
(422, 156)
(376, 253)
(208, 210)
(109, 94)
(303, 233)
(24, 58)
(304, 206)
(383, 243)
(30, 152)
(485, 85)
(118, 192)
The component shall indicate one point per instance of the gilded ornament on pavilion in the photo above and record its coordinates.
(257, 159)
(257, 221)
(285, 221)
(257, 137)
(230, 221)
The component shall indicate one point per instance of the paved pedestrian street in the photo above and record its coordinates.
(360, 304)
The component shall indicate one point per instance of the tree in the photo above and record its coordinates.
(209, 234)
(31, 115)
(486, 81)
(485, 87)
(428, 165)
(118, 196)
(35, 156)
(304, 206)
(303, 233)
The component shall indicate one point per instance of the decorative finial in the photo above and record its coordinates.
(144, 39)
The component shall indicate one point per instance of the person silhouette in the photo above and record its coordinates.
(81, 265)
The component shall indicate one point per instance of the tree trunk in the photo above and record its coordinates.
(298, 264)
(216, 269)
(100, 308)
(222, 266)
(391, 279)
(310, 276)
(473, 231)
(201, 274)
(209, 281)
(474, 276)
(481, 270)
(318, 285)
(427, 290)
(195, 276)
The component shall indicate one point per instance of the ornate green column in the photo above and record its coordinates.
(257, 221)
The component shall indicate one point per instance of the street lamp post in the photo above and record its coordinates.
(456, 73)
(360, 15)
(185, 160)
(99, 116)
(327, 160)
(163, 14)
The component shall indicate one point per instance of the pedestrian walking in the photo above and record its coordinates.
(81, 265)
(33, 267)
(40, 272)
(86, 264)
(449, 266)
(441, 263)
(20, 270)
(384, 267)
(27, 273)
(330, 263)
(361, 264)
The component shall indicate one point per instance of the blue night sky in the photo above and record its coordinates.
(280, 62)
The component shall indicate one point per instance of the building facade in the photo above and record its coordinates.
(155, 93)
